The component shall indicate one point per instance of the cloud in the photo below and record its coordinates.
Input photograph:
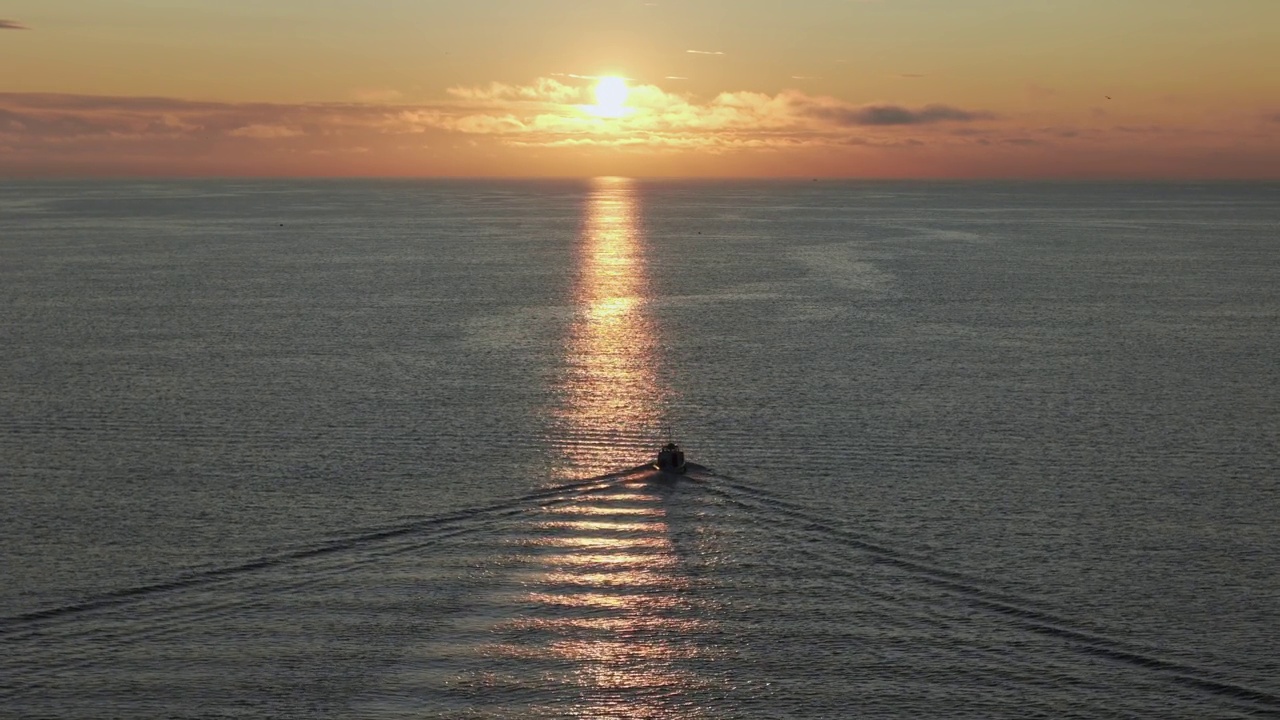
(549, 113)
(69, 119)
(546, 112)
(265, 132)
(546, 90)
(880, 114)
(704, 52)
(40, 133)
(12, 25)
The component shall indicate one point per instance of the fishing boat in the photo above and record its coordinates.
(671, 458)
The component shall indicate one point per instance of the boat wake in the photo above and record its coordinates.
(669, 594)
(808, 528)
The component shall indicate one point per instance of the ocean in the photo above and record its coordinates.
(369, 449)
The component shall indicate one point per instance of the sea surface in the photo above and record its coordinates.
(369, 449)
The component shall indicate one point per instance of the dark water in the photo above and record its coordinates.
(326, 450)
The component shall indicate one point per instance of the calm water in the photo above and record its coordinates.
(326, 450)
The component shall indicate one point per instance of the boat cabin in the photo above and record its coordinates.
(671, 458)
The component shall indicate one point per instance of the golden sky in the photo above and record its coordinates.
(850, 88)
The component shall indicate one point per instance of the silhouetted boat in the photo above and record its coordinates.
(671, 458)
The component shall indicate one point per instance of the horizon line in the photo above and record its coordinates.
(719, 178)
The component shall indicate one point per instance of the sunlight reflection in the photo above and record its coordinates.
(619, 613)
(611, 400)
(637, 579)
(610, 559)
(603, 526)
(611, 626)
(606, 601)
(595, 543)
(627, 497)
(622, 652)
(590, 510)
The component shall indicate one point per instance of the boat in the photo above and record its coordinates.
(671, 458)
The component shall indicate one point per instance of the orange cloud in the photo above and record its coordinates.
(549, 112)
(502, 128)
(547, 90)
(264, 132)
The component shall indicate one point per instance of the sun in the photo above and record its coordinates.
(611, 97)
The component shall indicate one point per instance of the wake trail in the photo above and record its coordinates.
(1022, 610)
(70, 638)
(487, 514)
